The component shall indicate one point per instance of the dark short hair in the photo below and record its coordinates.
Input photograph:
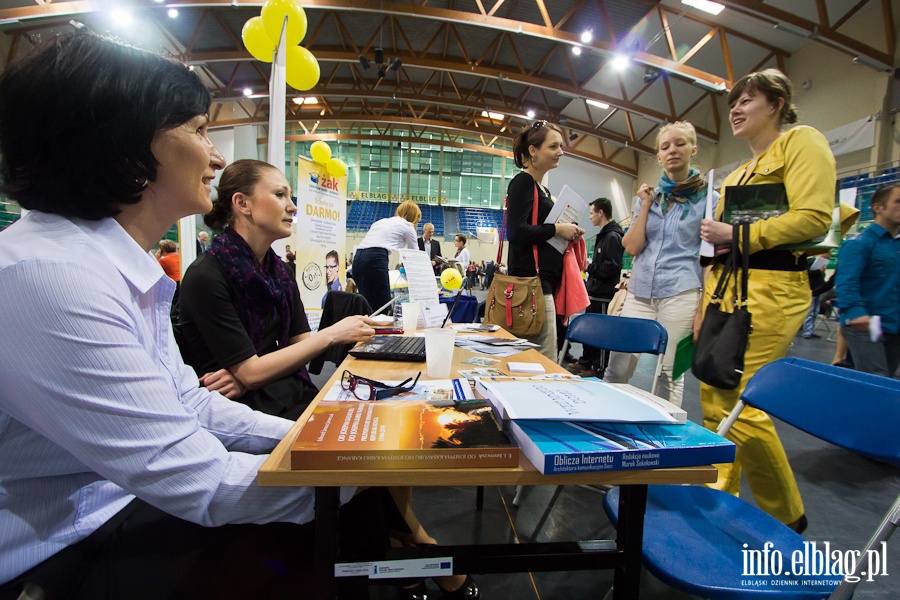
(882, 194)
(461, 238)
(534, 135)
(603, 205)
(333, 254)
(77, 117)
(241, 176)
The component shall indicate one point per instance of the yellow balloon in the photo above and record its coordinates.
(336, 167)
(301, 68)
(451, 279)
(256, 41)
(273, 13)
(320, 152)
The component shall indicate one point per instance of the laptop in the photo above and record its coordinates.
(391, 347)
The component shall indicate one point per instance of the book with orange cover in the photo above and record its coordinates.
(404, 434)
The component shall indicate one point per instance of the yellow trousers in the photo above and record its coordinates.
(778, 302)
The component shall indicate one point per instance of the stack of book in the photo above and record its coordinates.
(402, 434)
(583, 425)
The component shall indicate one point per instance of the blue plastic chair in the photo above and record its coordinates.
(694, 536)
(618, 334)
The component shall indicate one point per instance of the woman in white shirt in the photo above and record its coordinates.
(463, 258)
(370, 267)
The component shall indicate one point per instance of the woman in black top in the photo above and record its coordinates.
(244, 326)
(242, 322)
(537, 150)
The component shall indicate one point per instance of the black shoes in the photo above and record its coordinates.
(800, 524)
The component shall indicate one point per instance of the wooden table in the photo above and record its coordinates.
(624, 555)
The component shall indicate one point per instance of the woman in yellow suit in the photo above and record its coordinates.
(779, 297)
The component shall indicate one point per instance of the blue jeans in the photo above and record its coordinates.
(809, 323)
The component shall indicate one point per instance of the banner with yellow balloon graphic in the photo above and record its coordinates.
(321, 230)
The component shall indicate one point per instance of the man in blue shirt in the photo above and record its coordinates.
(868, 288)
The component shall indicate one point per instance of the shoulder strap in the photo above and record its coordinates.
(534, 210)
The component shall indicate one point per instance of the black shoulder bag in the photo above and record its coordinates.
(719, 351)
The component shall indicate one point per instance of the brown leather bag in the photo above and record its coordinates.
(516, 303)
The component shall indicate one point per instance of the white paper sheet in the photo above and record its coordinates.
(707, 249)
(420, 277)
(568, 208)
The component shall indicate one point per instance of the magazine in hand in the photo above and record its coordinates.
(768, 200)
(403, 434)
(566, 447)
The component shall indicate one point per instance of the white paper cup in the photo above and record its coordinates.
(410, 311)
(439, 351)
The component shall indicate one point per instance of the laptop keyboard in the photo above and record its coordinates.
(392, 347)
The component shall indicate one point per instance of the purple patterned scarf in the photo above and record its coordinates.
(260, 291)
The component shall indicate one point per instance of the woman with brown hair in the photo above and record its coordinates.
(536, 151)
(243, 325)
(778, 292)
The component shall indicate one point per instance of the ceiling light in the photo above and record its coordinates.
(712, 8)
(492, 115)
(620, 62)
(708, 85)
(872, 64)
(396, 64)
(587, 36)
(794, 30)
(121, 17)
(597, 103)
(302, 100)
(363, 61)
(576, 50)
(530, 114)
(173, 13)
(248, 92)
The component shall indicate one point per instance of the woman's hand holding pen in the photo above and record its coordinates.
(351, 330)
(569, 231)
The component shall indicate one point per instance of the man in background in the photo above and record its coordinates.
(868, 288)
(202, 242)
(431, 246)
(604, 274)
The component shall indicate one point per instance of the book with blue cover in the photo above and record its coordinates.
(567, 447)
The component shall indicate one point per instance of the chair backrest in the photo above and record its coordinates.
(853, 410)
(618, 334)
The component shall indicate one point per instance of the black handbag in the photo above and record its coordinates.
(719, 351)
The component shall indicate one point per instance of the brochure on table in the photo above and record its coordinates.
(571, 400)
(568, 208)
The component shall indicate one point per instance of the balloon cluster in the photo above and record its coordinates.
(261, 35)
(321, 153)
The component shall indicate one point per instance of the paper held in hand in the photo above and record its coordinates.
(574, 400)
(568, 208)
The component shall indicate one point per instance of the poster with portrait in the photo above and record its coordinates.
(321, 232)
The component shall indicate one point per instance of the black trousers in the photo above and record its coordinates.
(590, 356)
(370, 272)
(143, 552)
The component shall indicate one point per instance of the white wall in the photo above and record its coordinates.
(590, 181)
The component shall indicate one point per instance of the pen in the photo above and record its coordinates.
(382, 309)
(452, 306)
